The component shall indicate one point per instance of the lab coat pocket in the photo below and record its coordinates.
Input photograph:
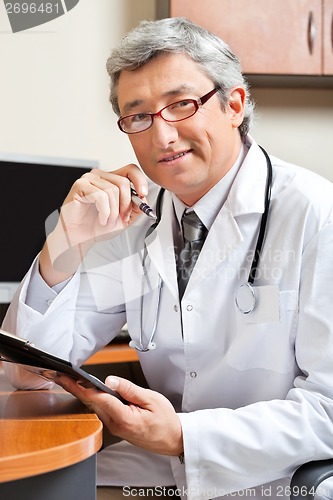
(265, 337)
(266, 305)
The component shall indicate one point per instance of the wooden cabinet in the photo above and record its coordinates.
(272, 37)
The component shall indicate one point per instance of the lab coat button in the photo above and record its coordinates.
(193, 374)
(189, 307)
(175, 308)
(49, 302)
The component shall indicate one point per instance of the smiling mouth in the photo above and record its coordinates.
(175, 157)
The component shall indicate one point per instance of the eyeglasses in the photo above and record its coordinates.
(174, 112)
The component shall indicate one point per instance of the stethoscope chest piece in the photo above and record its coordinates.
(245, 298)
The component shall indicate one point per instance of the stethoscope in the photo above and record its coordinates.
(151, 345)
(245, 295)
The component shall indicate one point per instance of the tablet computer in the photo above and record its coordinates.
(14, 349)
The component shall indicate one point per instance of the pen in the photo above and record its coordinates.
(146, 209)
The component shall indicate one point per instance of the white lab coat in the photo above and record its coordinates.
(254, 392)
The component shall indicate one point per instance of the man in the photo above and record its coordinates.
(239, 396)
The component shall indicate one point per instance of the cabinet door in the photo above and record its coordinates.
(328, 37)
(269, 36)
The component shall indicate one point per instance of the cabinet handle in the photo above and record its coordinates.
(311, 32)
(332, 32)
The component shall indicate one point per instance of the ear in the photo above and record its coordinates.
(236, 105)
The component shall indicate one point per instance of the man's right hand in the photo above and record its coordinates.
(97, 207)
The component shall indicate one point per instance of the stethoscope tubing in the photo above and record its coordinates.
(264, 219)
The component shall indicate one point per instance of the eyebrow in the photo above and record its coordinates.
(182, 89)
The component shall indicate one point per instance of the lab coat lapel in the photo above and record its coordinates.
(246, 196)
(160, 246)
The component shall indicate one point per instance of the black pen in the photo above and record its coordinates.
(146, 209)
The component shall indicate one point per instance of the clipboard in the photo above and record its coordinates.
(14, 349)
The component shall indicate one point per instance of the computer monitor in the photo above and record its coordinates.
(32, 187)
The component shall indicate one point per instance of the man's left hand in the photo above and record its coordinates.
(148, 420)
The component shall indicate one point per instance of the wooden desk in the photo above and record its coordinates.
(113, 353)
(48, 445)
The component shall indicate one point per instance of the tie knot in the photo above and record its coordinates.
(193, 228)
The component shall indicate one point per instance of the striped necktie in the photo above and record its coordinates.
(194, 233)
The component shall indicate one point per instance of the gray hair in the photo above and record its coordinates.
(179, 35)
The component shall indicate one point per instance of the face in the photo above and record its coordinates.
(189, 157)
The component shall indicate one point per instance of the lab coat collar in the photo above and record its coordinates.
(247, 194)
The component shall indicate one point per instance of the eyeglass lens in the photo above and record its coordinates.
(174, 112)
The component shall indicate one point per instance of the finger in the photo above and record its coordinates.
(106, 198)
(84, 192)
(136, 176)
(101, 201)
(108, 407)
(83, 390)
(126, 177)
(130, 392)
(69, 384)
(122, 178)
(119, 189)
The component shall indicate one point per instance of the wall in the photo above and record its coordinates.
(54, 93)
(297, 125)
(54, 86)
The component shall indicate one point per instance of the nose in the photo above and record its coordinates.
(163, 133)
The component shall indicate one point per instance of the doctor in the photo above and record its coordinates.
(237, 398)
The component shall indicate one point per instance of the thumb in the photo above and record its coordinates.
(130, 392)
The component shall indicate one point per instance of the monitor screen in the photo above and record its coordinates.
(31, 189)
